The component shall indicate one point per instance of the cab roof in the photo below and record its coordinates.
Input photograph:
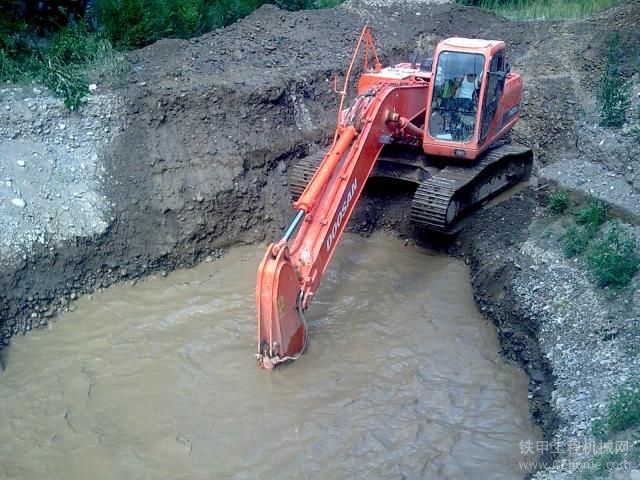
(469, 42)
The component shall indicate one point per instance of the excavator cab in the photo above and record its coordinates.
(474, 99)
(454, 104)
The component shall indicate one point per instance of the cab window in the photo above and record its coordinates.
(454, 104)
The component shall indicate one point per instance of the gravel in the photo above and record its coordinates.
(50, 173)
(587, 334)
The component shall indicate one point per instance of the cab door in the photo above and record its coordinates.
(493, 93)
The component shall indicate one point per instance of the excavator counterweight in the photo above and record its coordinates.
(405, 122)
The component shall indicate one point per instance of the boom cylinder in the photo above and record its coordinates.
(320, 180)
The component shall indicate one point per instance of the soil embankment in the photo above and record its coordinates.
(193, 154)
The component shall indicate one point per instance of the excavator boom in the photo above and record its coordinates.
(292, 269)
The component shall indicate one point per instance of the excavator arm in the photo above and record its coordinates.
(292, 269)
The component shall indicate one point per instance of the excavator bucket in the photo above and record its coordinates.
(281, 328)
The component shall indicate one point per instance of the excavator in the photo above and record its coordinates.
(438, 123)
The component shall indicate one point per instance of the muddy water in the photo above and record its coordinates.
(402, 380)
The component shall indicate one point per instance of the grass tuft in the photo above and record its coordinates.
(542, 9)
(614, 97)
(622, 414)
(593, 215)
(62, 63)
(576, 240)
(612, 257)
(136, 23)
(558, 202)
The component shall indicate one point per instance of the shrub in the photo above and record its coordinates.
(12, 49)
(558, 202)
(614, 97)
(622, 414)
(127, 23)
(613, 260)
(63, 64)
(73, 45)
(136, 23)
(9, 68)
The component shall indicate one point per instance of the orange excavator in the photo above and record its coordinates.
(438, 123)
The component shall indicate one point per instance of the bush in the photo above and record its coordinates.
(126, 23)
(613, 260)
(62, 66)
(614, 97)
(623, 412)
(63, 60)
(558, 202)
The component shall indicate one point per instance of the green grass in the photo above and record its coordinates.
(65, 60)
(558, 202)
(613, 259)
(576, 240)
(614, 97)
(594, 215)
(622, 414)
(542, 9)
(63, 63)
(619, 425)
(610, 254)
(577, 237)
(136, 23)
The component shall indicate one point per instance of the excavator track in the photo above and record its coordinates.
(302, 172)
(444, 200)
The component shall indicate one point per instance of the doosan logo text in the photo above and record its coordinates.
(347, 198)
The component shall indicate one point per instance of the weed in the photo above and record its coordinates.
(594, 215)
(542, 9)
(62, 63)
(558, 202)
(622, 414)
(613, 260)
(9, 68)
(576, 240)
(65, 82)
(614, 97)
(127, 23)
